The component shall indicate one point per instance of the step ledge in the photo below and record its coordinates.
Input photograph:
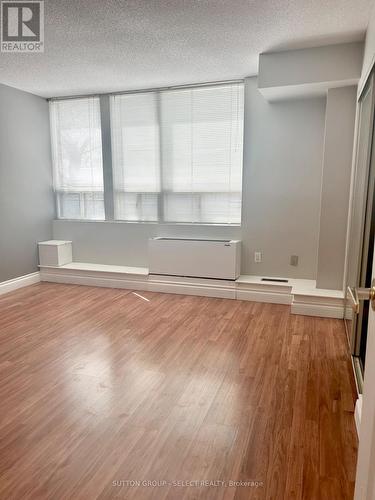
(297, 287)
(100, 268)
(299, 293)
(318, 292)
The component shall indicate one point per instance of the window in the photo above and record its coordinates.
(177, 154)
(77, 158)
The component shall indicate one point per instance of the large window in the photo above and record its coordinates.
(77, 158)
(176, 155)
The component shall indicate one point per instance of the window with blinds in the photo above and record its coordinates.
(177, 154)
(77, 158)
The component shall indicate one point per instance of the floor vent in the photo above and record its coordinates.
(276, 280)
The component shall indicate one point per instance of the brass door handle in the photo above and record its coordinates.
(355, 295)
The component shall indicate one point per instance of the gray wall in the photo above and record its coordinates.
(282, 181)
(26, 201)
(337, 167)
(126, 243)
(281, 198)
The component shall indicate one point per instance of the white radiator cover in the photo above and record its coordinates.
(196, 258)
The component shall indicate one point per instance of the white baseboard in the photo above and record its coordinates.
(358, 413)
(189, 289)
(348, 313)
(321, 310)
(76, 279)
(20, 282)
(203, 288)
(261, 296)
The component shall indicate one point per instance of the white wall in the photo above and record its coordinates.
(281, 198)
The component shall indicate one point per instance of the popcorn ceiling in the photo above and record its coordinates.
(108, 45)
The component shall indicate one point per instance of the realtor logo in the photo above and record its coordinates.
(22, 26)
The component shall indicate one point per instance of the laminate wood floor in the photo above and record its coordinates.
(103, 392)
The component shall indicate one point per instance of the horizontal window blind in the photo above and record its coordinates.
(202, 131)
(135, 156)
(177, 154)
(77, 158)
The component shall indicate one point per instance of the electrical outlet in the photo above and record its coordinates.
(294, 260)
(257, 257)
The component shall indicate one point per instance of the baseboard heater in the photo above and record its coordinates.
(195, 258)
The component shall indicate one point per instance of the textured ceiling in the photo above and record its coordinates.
(99, 46)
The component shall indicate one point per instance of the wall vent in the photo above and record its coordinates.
(276, 280)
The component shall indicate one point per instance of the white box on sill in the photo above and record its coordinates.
(55, 253)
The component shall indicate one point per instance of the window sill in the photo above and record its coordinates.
(149, 223)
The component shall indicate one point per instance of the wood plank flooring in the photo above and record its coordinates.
(103, 392)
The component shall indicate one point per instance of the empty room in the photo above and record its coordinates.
(187, 265)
